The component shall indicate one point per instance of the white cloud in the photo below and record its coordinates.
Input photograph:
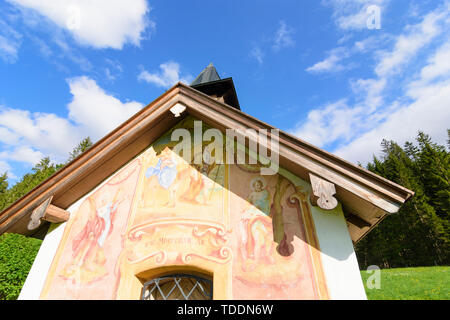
(407, 45)
(438, 64)
(371, 43)
(167, 77)
(352, 14)
(331, 63)
(44, 48)
(7, 136)
(359, 129)
(8, 49)
(57, 48)
(5, 167)
(329, 123)
(27, 137)
(99, 23)
(338, 58)
(370, 91)
(96, 112)
(283, 37)
(113, 70)
(46, 133)
(355, 126)
(10, 41)
(22, 154)
(257, 54)
(429, 113)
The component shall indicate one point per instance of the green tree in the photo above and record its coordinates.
(85, 144)
(418, 234)
(40, 172)
(3, 188)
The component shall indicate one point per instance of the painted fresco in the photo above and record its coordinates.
(252, 232)
(86, 268)
(272, 258)
(180, 212)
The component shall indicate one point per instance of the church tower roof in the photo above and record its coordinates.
(210, 83)
(207, 75)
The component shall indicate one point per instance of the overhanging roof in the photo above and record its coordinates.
(365, 196)
(220, 88)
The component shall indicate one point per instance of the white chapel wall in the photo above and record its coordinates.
(338, 255)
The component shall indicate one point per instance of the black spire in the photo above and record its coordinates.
(209, 82)
(207, 75)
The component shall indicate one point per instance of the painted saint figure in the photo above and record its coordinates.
(105, 213)
(166, 173)
(208, 185)
(260, 197)
(196, 185)
(87, 247)
(255, 228)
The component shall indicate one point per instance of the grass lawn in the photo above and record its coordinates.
(424, 283)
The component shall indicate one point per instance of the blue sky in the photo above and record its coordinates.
(329, 72)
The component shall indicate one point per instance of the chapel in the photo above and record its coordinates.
(192, 198)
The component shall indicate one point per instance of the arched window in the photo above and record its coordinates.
(178, 287)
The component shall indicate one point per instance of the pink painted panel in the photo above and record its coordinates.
(271, 257)
(87, 266)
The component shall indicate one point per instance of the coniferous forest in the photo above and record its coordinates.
(418, 235)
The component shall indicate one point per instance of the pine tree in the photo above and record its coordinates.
(418, 234)
(434, 163)
(3, 188)
(85, 144)
(41, 171)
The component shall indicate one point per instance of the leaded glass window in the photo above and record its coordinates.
(178, 287)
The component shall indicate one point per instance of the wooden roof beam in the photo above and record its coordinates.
(47, 212)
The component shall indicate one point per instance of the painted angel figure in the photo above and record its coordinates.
(259, 196)
(255, 229)
(207, 185)
(200, 185)
(196, 184)
(166, 173)
(87, 247)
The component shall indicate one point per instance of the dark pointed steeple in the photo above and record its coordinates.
(209, 82)
(207, 75)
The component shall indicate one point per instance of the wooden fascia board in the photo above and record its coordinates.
(363, 234)
(62, 180)
(357, 220)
